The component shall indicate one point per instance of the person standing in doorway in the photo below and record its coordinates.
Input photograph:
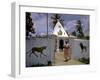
(67, 51)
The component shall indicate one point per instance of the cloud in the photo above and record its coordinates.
(40, 21)
(70, 26)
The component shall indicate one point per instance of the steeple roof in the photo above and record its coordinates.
(59, 30)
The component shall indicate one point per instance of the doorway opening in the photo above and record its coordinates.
(61, 44)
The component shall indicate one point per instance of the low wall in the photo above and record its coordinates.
(40, 42)
(76, 52)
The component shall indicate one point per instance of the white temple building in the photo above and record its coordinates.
(60, 34)
(59, 30)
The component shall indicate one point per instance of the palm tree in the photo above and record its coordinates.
(29, 24)
(55, 18)
(79, 29)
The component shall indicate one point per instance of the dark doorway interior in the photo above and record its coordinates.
(61, 44)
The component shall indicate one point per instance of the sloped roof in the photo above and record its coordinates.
(59, 30)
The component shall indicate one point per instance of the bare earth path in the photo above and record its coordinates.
(59, 60)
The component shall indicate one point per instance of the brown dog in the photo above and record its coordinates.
(37, 49)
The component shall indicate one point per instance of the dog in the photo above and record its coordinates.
(83, 47)
(37, 49)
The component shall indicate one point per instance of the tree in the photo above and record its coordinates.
(79, 29)
(55, 18)
(29, 24)
(73, 33)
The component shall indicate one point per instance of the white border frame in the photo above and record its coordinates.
(18, 69)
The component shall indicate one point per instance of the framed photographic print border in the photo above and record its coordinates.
(18, 40)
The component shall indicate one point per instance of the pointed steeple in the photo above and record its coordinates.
(59, 30)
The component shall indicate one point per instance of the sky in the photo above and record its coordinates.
(40, 21)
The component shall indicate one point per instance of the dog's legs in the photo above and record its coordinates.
(81, 51)
(35, 54)
(44, 55)
(85, 49)
(40, 54)
(30, 54)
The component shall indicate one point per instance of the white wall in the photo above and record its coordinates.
(40, 42)
(5, 40)
(76, 50)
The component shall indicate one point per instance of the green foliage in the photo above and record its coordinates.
(79, 29)
(85, 37)
(55, 18)
(29, 24)
(73, 33)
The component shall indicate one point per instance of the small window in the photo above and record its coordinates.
(59, 26)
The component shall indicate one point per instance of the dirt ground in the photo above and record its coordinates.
(59, 60)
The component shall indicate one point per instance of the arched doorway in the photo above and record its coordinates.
(61, 44)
